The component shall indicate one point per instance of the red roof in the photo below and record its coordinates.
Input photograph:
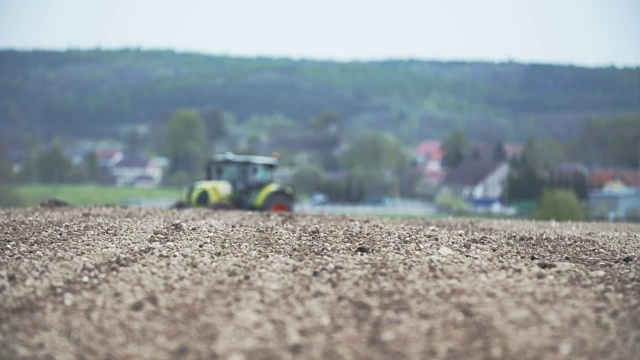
(512, 149)
(599, 178)
(430, 149)
(106, 153)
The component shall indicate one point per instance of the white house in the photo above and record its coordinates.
(478, 181)
(138, 172)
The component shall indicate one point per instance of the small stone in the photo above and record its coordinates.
(137, 306)
(387, 336)
(170, 244)
(566, 349)
(254, 253)
(68, 299)
(445, 251)
(325, 320)
(598, 273)
(85, 279)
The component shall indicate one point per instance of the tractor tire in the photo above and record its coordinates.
(279, 202)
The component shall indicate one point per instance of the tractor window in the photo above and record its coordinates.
(260, 173)
(226, 171)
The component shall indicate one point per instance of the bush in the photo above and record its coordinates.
(307, 179)
(559, 204)
(450, 202)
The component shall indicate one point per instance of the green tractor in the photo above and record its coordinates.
(240, 182)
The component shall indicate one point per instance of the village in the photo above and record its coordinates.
(479, 185)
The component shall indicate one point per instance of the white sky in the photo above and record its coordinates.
(582, 32)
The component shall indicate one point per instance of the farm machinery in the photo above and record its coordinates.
(239, 182)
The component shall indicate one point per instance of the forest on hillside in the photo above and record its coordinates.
(97, 94)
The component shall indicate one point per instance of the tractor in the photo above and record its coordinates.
(240, 182)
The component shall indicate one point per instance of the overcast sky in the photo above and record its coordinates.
(582, 32)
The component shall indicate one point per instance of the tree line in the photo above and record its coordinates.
(96, 93)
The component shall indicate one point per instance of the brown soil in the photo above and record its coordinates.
(98, 283)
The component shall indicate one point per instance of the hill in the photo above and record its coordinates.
(96, 93)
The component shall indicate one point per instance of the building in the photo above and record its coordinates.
(615, 203)
(614, 194)
(139, 172)
(429, 158)
(599, 179)
(479, 182)
(108, 158)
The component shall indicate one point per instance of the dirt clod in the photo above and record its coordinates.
(545, 265)
(53, 203)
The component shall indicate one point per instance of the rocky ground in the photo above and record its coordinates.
(97, 283)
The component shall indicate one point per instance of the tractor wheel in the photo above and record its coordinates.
(279, 203)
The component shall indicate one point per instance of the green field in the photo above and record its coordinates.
(94, 194)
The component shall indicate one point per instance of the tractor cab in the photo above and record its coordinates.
(242, 169)
(240, 182)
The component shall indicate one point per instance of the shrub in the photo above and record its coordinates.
(450, 202)
(559, 204)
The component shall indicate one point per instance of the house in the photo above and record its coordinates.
(108, 158)
(479, 182)
(138, 172)
(599, 179)
(429, 158)
(513, 150)
(614, 194)
(615, 203)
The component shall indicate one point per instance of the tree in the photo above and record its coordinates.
(308, 178)
(184, 143)
(609, 142)
(559, 204)
(525, 182)
(499, 153)
(326, 122)
(6, 167)
(52, 165)
(92, 167)
(8, 197)
(455, 147)
(379, 160)
(215, 126)
(133, 142)
(543, 154)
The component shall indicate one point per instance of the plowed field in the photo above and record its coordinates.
(125, 283)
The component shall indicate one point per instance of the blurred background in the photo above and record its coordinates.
(421, 108)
